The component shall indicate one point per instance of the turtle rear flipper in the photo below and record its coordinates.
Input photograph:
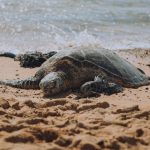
(30, 83)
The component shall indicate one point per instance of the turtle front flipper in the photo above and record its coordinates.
(91, 88)
(29, 83)
(99, 85)
(54, 83)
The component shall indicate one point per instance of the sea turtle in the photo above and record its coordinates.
(74, 68)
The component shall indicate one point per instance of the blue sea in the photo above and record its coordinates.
(45, 25)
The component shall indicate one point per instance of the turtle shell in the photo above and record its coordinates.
(107, 60)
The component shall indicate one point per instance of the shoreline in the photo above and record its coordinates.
(119, 121)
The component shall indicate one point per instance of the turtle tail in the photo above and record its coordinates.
(29, 83)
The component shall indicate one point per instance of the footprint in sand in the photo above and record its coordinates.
(20, 138)
(30, 104)
(63, 141)
(45, 135)
(4, 103)
(36, 121)
(11, 128)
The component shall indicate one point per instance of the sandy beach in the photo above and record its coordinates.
(117, 122)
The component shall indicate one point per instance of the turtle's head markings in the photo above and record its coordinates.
(52, 83)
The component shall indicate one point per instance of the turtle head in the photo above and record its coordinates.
(53, 83)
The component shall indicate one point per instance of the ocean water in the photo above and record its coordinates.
(45, 25)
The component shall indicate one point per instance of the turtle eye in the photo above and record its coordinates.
(53, 84)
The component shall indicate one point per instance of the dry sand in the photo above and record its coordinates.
(29, 121)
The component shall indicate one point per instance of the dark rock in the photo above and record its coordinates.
(7, 54)
(31, 60)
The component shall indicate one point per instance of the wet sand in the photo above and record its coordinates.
(116, 122)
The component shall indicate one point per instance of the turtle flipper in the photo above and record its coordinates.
(91, 88)
(99, 85)
(29, 83)
(113, 88)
